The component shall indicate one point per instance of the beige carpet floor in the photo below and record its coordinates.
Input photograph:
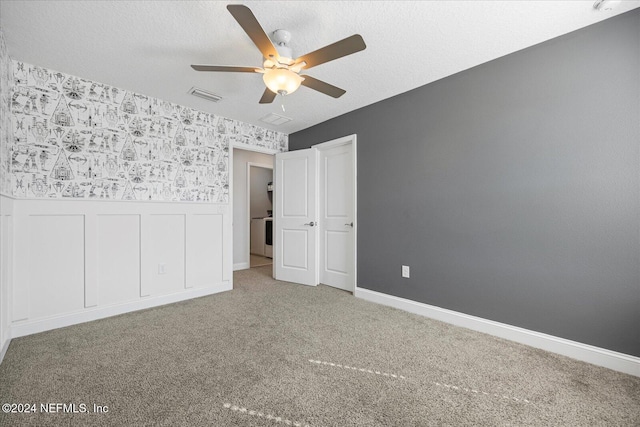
(270, 353)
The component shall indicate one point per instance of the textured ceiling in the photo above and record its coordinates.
(148, 46)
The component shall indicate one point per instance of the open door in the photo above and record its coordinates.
(295, 216)
(337, 213)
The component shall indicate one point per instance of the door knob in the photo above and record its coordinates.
(350, 224)
(310, 224)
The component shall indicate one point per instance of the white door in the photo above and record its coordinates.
(295, 218)
(337, 205)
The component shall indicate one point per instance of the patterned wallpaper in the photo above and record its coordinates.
(5, 116)
(78, 138)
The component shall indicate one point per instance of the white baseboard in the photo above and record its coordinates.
(29, 327)
(3, 349)
(241, 266)
(584, 352)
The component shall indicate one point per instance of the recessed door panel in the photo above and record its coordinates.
(336, 199)
(295, 185)
(295, 259)
(336, 252)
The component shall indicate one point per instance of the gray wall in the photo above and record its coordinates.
(511, 189)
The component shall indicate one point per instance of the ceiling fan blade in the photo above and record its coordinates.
(225, 68)
(322, 87)
(254, 30)
(267, 97)
(341, 48)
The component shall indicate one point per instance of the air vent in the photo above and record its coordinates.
(204, 94)
(275, 119)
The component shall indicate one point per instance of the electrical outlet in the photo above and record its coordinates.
(405, 271)
(162, 269)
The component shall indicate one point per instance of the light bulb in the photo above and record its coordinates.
(282, 80)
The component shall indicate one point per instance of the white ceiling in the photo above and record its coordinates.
(148, 46)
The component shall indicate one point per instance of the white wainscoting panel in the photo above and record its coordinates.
(91, 261)
(55, 263)
(77, 260)
(166, 236)
(118, 255)
(6, 271)
(204, 249)
(19, 290)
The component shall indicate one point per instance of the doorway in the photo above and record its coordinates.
(260, 202)
(248, 164)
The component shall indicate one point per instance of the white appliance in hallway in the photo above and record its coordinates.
(315, 208)
(262, 237)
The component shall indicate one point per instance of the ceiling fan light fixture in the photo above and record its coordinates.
(282, 81)
(281, 72)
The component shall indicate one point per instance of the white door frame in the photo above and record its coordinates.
(248, 219)
(347, 140)
(245, 147)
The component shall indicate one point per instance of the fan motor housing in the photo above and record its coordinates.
(281, 39)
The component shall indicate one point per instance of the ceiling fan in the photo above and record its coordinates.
(281, 73)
